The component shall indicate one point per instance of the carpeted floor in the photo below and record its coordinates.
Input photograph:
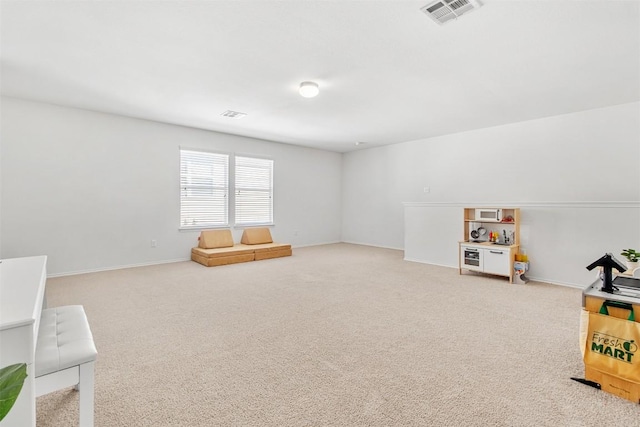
(336, 335)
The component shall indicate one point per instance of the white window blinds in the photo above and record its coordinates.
(253, 191)
(204, 188)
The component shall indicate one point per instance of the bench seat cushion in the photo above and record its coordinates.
(226, 260)
(268, 247)
(210, 239)
(222, 252)
(64, 340)
(256, 236)
(222, 256)
(271, 250)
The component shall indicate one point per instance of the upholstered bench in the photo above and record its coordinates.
(260, 240)
(221, 256)
(216, 247)
(65, 356)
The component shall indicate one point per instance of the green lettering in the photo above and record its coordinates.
(629, 356)
(608, 352)
(618, 354)
(595, 347)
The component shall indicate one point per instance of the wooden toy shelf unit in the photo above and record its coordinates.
(491, 241)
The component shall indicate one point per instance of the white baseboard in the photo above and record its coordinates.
(316, 244)
(144, 264)
(117, 267)
(430, 263)
(120, 267)
(372, 245)
(554, 282)
(532, 278)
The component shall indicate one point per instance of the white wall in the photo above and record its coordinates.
(92, 190)
(561, 239)
(591, 156)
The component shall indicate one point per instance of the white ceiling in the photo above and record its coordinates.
(387, 73)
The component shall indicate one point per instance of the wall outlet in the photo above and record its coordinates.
(427, 189)
(154, 243)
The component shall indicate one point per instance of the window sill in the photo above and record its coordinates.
(261, 224)
(218, 227)
(200, 228)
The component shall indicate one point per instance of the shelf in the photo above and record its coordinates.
(486, 244)
(489, 222)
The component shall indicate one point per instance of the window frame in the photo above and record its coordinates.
(226, 223)
(233, 200)
(231, 191)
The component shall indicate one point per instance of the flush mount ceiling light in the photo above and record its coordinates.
(309, 89)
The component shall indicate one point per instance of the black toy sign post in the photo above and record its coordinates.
(608, 263)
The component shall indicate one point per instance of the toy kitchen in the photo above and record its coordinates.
(491, 242)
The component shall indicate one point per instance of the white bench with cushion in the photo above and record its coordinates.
(65, 356)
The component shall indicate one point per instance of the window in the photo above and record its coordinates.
(204, 189)
(205, 197)
(253, 191)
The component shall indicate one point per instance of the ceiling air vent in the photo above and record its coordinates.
(443, 11)
(233, 114)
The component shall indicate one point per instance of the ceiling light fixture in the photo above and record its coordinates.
(309, 89)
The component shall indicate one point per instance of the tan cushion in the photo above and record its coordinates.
(275, 253)
(221, 252)
(223, 260)
(256, 236)
(210, 239)
(269, 247)
(234, 259)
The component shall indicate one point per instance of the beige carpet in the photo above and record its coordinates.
(336, 335)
